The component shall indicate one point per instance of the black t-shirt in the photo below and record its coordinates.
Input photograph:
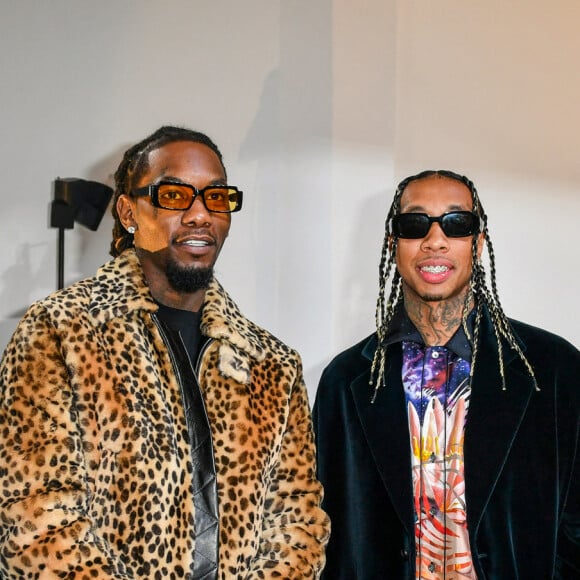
(187, 324)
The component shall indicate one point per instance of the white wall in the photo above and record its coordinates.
(319, 108)
(493, 89)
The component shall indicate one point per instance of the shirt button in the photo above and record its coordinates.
(431, 567)
(435, 354)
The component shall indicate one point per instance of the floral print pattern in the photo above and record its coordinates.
(436, 383)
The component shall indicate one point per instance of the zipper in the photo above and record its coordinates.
(171, 353)
(202, 351)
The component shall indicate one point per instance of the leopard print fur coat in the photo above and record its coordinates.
(95, 469)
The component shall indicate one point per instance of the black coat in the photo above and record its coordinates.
(522, 463)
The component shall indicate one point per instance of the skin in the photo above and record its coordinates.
(435, 300)
(162, 235)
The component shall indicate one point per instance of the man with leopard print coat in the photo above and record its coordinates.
(111, 464)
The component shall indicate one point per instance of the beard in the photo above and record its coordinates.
(432, 297)
(188, 280)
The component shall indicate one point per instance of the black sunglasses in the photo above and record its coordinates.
(455, 224)
(180, 196)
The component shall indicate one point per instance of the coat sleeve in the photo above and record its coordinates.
(45, 531)
(568, 551)
(296, 529)
(568, 546)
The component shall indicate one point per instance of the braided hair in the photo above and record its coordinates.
(478, 292)
(135, 164)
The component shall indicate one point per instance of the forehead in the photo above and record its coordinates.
(436, 194)
(185, 160)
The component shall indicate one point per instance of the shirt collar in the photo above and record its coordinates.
(402, 329)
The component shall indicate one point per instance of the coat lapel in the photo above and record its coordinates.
(386, 429)
(493, 420)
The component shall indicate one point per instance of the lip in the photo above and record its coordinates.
(435, 271)
(196, 244)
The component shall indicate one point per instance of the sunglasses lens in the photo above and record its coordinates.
(174, 196)
(221, 199)
(411, 225)
(458, 224)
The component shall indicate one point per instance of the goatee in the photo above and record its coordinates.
(432, 297)
(188, 280)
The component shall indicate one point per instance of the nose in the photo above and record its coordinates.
(435, 240)
(197, 214)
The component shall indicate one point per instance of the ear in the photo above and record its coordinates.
(125, 210)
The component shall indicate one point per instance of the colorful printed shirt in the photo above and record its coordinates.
(437, 391)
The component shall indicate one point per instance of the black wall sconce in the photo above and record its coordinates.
(76, 200)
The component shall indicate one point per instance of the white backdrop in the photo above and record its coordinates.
(319, 109)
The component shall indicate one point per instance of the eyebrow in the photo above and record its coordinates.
(422, 209)
(176, 180)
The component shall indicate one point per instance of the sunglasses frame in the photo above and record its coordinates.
(441, 220)
(152, 190)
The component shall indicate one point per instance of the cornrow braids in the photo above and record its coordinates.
(135, 163)
(478, 294)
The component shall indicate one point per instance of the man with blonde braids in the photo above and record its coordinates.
(448, 441)
(148, 430)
